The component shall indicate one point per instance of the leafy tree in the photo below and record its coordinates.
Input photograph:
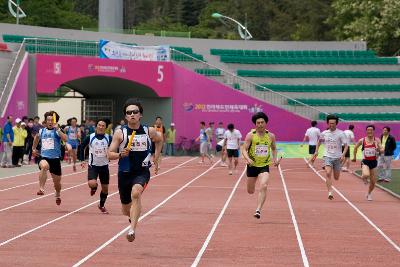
(376, 22)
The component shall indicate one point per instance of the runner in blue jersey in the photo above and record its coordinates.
(73, 135)
(134, 163)
(50, 138)
(98, 143)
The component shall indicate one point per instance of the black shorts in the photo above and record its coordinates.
(55, 165)
(233, 153)
(153, 148)
(347, 155)
(372, 164)
(311, 149)
(126, 180)
(99, 171)
(255, 171)
(218, 148)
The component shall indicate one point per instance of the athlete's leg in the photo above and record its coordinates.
(365, 173)
(44, 167)
(136, 206)
(236, 161)
(57, 187)
(251, 184)
(262, 195)
(328, 171)
(372, 180)
(230, 165)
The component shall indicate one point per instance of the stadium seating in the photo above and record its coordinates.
(365, 116)
(318, 74)
(348, 102)
(294, 53)
(208, 72)
(310, 88)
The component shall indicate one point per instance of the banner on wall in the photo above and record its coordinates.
(113, 50)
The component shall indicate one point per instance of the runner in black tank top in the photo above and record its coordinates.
(134, 161)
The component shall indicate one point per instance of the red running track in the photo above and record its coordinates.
(194, 214)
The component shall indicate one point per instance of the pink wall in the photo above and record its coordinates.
(197, 98)
(18, 104)
(52, 71)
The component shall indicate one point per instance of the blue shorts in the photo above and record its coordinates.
(74, 145)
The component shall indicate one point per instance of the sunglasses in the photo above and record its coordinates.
(130, 112)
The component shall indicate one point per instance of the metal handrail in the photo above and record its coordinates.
(252, 83)
(10, 74)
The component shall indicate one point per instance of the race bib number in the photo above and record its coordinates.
(139, 143)
(261, 150)
(332, 147)
(100, 152)
(72, 136)
(47, 144)
(370, 152)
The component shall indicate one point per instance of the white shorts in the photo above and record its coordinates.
(204, 148)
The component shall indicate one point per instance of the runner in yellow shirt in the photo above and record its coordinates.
(258, 148)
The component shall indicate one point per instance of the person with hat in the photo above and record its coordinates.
(170, 140)
(19, 142)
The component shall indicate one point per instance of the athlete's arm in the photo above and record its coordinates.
(346, 146)
(113, 149)
(60, 133)
(246, 146)
(304, 139)
(34, 145)
(359, 143)
(158, 141)
(379, 146)
(273, 148)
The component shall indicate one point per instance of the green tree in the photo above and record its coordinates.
(376, 22)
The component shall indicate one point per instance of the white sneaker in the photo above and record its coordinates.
(130, 236)
(330, 196)
(230, 172)
(369, 197)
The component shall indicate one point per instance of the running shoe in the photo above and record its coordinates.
(230, 172)
(387, 180)
(103, 209)
(330, 196)
(369, 197)
(58, 201)
(93, 191)
(130, 235)
(257, 214)
(40, 192)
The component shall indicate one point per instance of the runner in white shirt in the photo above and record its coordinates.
(333, 157)
(350, 140)
(219, 135)
(98, 143)
(312, 135)
(232, 139)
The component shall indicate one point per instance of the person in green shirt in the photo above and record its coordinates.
(259, 152)
(170, 140)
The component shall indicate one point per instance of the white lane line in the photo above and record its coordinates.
(47, 195)
(361, 213)
(83, 260)
(37, 172)
(79, 209)
(296, 226)
(211, 233)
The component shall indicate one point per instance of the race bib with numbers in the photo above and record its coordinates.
(139, 143)
(47, 144)
(261, 150)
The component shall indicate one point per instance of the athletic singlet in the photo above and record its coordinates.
(140, 154)
(50, 143)
(72, 135)
(260, 149)
(369, 150)
(98, 146)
